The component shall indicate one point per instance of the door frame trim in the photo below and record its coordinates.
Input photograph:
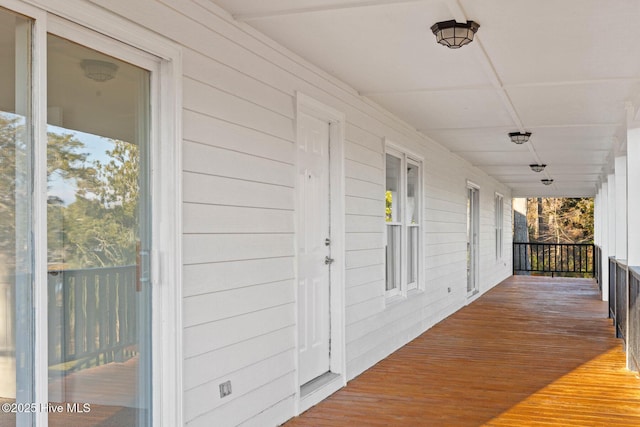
(476, 252)
(337, 361)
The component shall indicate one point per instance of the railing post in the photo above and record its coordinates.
(633, 342)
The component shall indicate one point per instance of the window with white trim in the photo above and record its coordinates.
(403, 203)
(499, 221)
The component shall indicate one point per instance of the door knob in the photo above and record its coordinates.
(328, 260)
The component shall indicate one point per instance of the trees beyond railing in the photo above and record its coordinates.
(569, 259)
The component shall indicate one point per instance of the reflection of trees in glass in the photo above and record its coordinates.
(98, 229)
(13, 186)
(388, 198)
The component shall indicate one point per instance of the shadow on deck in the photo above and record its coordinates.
(532, 351)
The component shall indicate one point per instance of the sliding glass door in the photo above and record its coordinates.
(97, 234)
(98, 222)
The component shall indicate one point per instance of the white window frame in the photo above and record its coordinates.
(406, 158)
(475, 242)
(499, 225)
(97, 28)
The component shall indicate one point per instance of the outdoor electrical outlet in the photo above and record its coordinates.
(225, 389)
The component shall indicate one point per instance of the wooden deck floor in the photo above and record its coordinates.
(531, 352)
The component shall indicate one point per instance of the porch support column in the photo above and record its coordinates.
(621, 206)
(597, 218)
(604, 239)
(633, 196)
(597, 215)
(611, 217)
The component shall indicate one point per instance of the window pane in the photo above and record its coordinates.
(392, 195)
(98, 235)
(393, 257)
(498, 225)
(413, 194)
(16, 327)
(412, 255)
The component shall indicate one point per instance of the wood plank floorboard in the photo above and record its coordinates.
(532, 351)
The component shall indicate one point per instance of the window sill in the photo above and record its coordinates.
(413, 292)
(395, 299)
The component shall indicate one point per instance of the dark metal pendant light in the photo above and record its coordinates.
(454, 34)
(519, 137)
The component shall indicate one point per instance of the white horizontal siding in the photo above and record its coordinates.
(239, 217)
(217, 190)
(208, 160)
(201, 309)
(361, 275)
(206, 248)
(206, 337)
(364, 241)
(209, 366)
(221, 276)
(233, 219)
(212, 131)
(205, 398)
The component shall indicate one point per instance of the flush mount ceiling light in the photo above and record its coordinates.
(99, 71)
(547, 181)
(519, 137)
(537, 168)
(454, 34)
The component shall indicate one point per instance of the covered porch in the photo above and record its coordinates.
(531, 351)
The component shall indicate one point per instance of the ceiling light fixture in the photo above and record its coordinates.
(537, 168)
(547, 181)
(454, 34)
(519, 137)
(99, 71)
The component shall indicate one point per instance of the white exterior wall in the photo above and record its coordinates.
(238, 187)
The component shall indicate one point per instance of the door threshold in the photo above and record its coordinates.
(318, 389)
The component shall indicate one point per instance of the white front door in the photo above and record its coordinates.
(314, 247)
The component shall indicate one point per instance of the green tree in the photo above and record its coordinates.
(102, 223)
(560, 220)
(12, 187)
(66, 161)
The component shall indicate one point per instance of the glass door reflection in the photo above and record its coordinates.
(98, 237)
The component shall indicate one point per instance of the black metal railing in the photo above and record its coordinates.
(612, 289)
(633, 342)
(597, 266)
(576, 259)
(92, 315)
(622, 296)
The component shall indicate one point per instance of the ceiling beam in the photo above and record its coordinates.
(427, 90)
(503, 86)
(314, 9)
(483, 58)
(550, 126)
(573, 82)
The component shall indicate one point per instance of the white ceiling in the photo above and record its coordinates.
(563, 70)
